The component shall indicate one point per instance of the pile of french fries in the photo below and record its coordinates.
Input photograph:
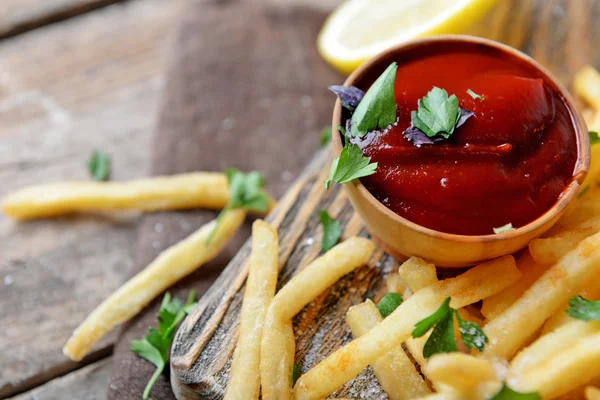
(533, 345)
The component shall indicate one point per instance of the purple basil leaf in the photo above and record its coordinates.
(416, 136)
(350, 96)
(464, 116)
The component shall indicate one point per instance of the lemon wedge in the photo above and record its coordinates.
(359, 29)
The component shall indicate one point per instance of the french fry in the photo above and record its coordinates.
(592, 393)
(394, 371)
(563, 372)
(587, 85)
(395, 284)
(468, 376)
(509, 330)
(550, 345)
(551, 249)
(479, 282)
(244, 382)
(496, 304)
(591, 291)
(170, 266)
(580, 211)
(192, 190)
(441, 396)
(417, 273)
(278, 344)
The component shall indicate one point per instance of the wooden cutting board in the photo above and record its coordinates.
(246, 88)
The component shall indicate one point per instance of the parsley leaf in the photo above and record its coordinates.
(350, 165)
(378, 108)
(245, 191)
(296, 372)
(437, 113)
(594, 138)
(331, 231)
(442, 339)
(581, 308)
(504, 228)
(472, 335)
(475, 95)
(507, 393)
(389, 303)
(423, 326)
(325, 135)
(99, 165)
(154, 347)
(350, 96)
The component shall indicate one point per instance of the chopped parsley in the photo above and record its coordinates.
(331, 231)
(581, 308)
(475, 95)
(99, 165)
(442, 339)
(594, 138)
(350, 165)
(154, 347)
(296, 372)
(504, 228)
(389, 303)
(507, 393)
(325, 136)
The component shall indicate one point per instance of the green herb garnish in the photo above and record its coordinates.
(504, 228)
(331, 231)
(475, 95)
(296, 372)
(245, 191)
(325, 136)
(99, 165)
(437, 114)
(154, 347)
(442, 339)
(581, 308)
(594, 138)
(350, 165)
(507, 393)
(583, 191)
(377, 109)
(389, 303)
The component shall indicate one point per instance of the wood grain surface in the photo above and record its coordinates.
(65, 90)
(204, 344)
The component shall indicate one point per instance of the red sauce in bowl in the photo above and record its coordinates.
(509, 163)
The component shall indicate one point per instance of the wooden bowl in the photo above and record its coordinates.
(401, 237)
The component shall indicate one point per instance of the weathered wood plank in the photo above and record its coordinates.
(17, 16)
(67, 89)
(204, 344)
(88, 383)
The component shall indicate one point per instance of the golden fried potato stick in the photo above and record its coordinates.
(417, 273)
(591, 291)
(244, 382)
(192, 190)
(574, 366)
(587, 85)
(169, 267)
(551, 344)
(394, 371)
(509, 330)
(496, 304)
(467, 376)
(592, 393)
(278, 342)
(395, 284)
(549, 250)
(479, 282)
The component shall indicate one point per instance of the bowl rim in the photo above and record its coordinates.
(581, 132)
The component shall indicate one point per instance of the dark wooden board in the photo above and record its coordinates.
(204, 344)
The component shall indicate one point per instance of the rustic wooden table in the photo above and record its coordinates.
(79, 75)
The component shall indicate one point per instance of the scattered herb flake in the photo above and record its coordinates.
(581, 308)
(378, 107)
(507, 393)
(583, 191)
(475, 95)
(325, 136)
(350, 96)
(471, 333)
(594, 138)
(154, 347)
(350, 165)
(331, 231)
(245, 191)
(504, 228)
(99, 165)
(296, 372)
(389, 303)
